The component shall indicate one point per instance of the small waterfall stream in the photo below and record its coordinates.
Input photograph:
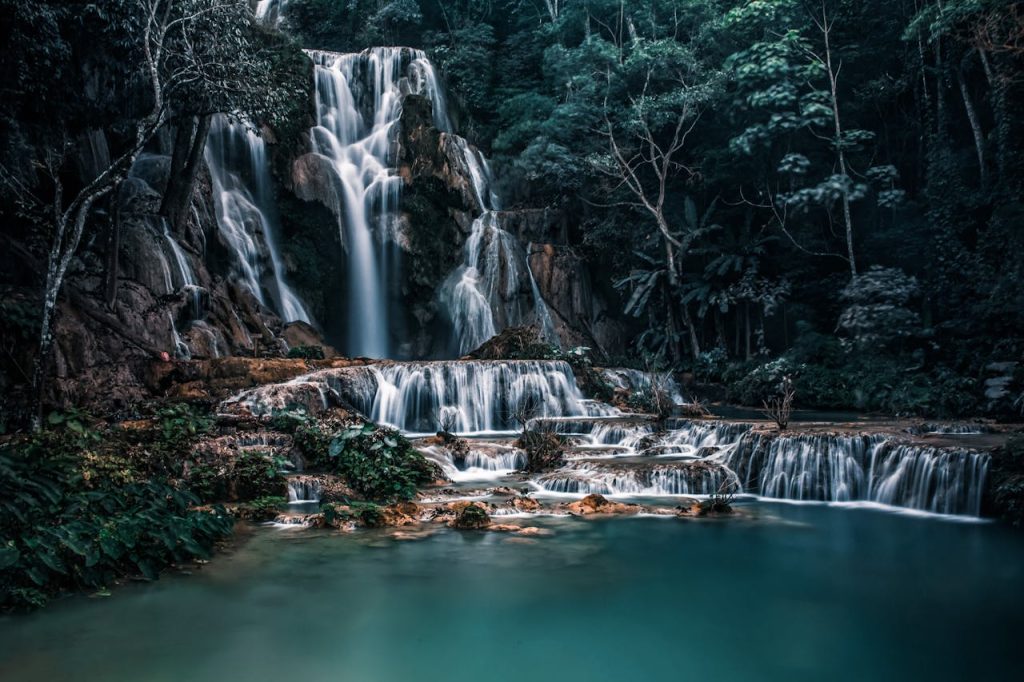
(872, 468)
(246, 214)
(484, 295)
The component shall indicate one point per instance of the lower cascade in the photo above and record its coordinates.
(303, 489)
(874, 468)
(612, 453)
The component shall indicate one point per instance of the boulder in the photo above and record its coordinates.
(471, 516)
(297, 334)
(598, 504)
(524, 504)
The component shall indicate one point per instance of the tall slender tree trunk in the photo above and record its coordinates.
(694, 338)
(720, 330)
(671, 326)
(746, 326)
(113, 249)
(833, 80)
(976, 132)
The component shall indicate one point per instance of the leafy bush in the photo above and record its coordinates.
(306, 352)
(710, 365)
(1007, 499)
(823, 387)
(877, 307)
(368, 513)
(249, 476)
(379, 463)
(762, 382)
(260, 509)
(63, 530)
(257, 474)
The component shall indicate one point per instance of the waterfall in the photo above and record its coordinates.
(270, 11)
(185, 273)
(303, 489)
(690, 457)
(484, 295)
(678, 478)
(636, 380)
(874, 468)
(479, 396)
(476, 464)
(181, 349)
(246, 214)
(358, 105)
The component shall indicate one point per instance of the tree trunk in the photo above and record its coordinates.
(694, 340)
(720, 330)
(671, 327)
(113, 249)
(186, 158)
(979, 136)
(746, 316)
(833, 81)
(183, 131)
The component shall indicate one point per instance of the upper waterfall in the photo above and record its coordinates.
(358, 104)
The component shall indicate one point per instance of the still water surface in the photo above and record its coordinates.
(798, 593)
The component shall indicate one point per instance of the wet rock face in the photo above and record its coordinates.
(104, 350)
(580, 315)
(312, 179)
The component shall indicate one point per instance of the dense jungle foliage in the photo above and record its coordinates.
(828, 190)
(85, 505)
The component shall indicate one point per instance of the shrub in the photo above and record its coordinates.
(306, 352)
(823, 387)
(710, 365)
(763, 382)
(256, 474)
(877, 307)
(261, 508)
(379, 463)
(61, 530)
(545, 449)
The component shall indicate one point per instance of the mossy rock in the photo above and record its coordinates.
(472, 517)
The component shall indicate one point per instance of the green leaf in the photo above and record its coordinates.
(9, 556)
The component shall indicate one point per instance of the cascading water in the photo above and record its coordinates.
(185, 273)
(484, 295)
(358, 105)
(874, 468)
(303, 489)
(243, 196)
(476, 464)
(638, 380)
(476, 396)
(270, 11)
(684, 478)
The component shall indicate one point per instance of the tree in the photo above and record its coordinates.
(178, 53)
(654, 98)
